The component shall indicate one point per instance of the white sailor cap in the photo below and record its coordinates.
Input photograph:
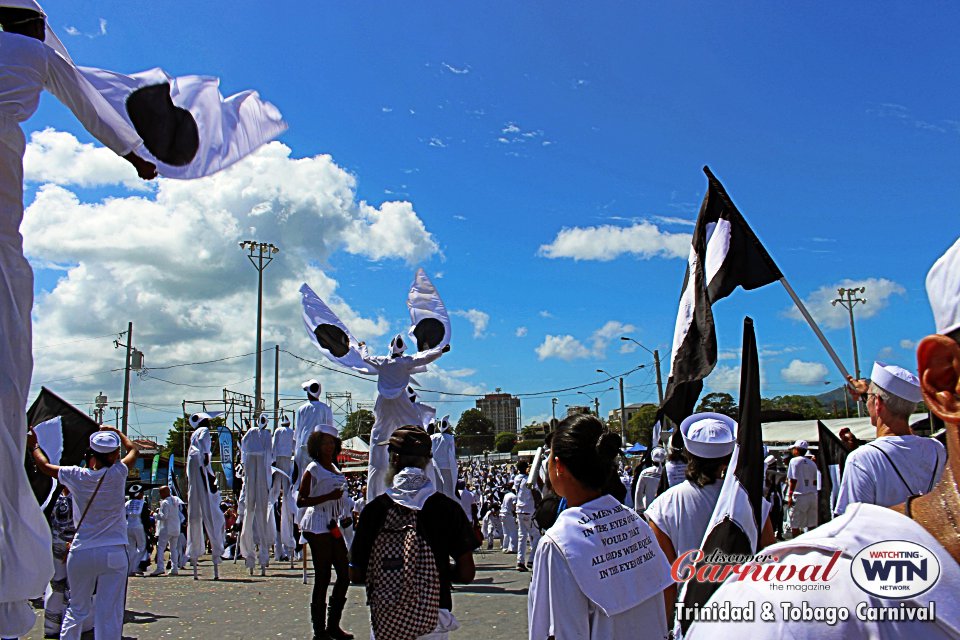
(801, 444)
(658, 455)
(769, 460)
(709, 435)
(284, 421)
(262, 420)
(104, 441)
(197, 418)
(328, 429)
(943, 289)
(896, 380)
(311, 385)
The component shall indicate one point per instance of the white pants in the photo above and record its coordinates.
(103, 568)
(527, 533)
(173, 541)
(803, 513)
(491, 528)
(136, 544)
(509, 533)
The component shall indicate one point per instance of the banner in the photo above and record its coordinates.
(156, 468)
(226, 455)
(170, 482)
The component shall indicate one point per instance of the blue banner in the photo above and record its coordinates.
(173, 487)
(226, 455)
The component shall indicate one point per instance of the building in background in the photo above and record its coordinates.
(501, 408)
(574, 409)
(631, 409)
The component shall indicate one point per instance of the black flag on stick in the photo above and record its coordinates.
(724, 254)
(736, 524)
(831, 458)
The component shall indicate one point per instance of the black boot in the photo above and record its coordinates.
(335, 611)
(317, 614)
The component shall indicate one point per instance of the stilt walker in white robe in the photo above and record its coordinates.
(282, 490)
(203, 498)
(27, 67)
(445, 457)
(256, 536)
(429, 330)
(311, 415)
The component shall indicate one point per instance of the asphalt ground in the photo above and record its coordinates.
(240, 606)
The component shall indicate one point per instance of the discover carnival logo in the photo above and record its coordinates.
(895, 569)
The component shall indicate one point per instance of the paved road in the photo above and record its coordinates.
(240, 606)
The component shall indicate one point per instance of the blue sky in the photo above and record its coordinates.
(832, 127)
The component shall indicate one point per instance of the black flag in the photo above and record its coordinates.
(77, 427)
(831, 458)
(724, 254)
(736, 525)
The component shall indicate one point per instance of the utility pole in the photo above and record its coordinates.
(116, 415)
(134, 361)
(260, 255)
(553, 401)
(100, 403)
(848, 300)
(656, 362)
(276, 386)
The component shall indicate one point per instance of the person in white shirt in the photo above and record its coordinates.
(203, 498)
(393, 408)
(598, 574)
(898, 464)
(649, 481)
(311, 415)
(136, 534)
(168, 532)
(98, 555)
(680, 515)
(801, 489)
(468, 501)
(508, 519)
(527, 531)
(27, 68)
(281, 490)
(445, 458)
(256, 535)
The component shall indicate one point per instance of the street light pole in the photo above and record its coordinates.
(656, 362)
(553, 401)
(623, 408)
(260, 255)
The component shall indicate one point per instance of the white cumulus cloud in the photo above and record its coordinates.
(878, 293)
(564, 347)
(479, 320)
(608, 242)
(805, 373)
(521, 332)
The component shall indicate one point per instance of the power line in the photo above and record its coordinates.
(193, 364)
(196, 386)
(59, 344)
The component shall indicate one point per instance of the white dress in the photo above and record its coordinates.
(27, 67)
(203, 503)
(317, 518)
(257, 535)
(283, 489)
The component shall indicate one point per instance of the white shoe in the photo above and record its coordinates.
(173, 572)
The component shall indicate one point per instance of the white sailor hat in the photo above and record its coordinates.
(284, 421)
(943, 289)
(801, 444)
(328, 429)
(197, 418)
(769, 460)
(658, 455)
(262, 420)
(709, 435)
(311, 385)
(104, 441)
(896, 380)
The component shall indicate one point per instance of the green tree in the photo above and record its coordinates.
(534, 430)
(640, 425)
(504, 442)
(719, 403)
(473, 423)
(359, 423)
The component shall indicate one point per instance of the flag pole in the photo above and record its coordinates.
(813, 325)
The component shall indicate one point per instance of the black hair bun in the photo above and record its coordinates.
(608, 445)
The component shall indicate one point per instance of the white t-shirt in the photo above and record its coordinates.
(105, 523)
(467, 500)
(804, 471)
(683, 513)
(509, 506)
(860, 526)
(869, 477)
(557, 605)
(647, 486)
(525, 503)
(676, 472)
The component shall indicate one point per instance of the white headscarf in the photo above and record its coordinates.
(411, 488)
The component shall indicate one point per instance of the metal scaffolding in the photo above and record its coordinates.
(341, 404)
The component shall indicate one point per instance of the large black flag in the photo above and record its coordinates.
(736, 525)
(831, 458)
(77, 427)
(724, 254)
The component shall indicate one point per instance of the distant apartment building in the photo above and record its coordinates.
(574, 409)
(502, 409)
(630, 410)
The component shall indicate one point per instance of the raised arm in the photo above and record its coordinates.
(39, 458)
(133, 451)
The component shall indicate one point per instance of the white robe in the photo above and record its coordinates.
(203, 505)
(310, 416)
(445, 459)
(27, 67)
(392, 409)
(256, 535)
(282, 488)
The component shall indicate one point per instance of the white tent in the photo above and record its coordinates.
(356, 444)
(789, 431)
